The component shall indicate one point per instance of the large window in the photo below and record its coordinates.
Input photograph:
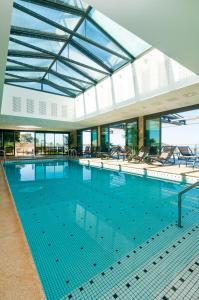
(179, 71)
(153, 134)
(24, 143)
(151, 72)
(59, 143)
(132, 135)
(79, 106)
(117, 135)
(66, 142)
(104, 94)
(123, 84)
(87, 141)
(94, 139)
(104, 138)
(9, 142)
(181, 129)
(39, 143)
(90, 101)
(50, 143)
(120, 134)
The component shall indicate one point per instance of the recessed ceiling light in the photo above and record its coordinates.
(28, 127)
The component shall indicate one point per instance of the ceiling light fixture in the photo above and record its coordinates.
(28, 127)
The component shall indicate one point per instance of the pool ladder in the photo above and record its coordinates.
(194, 185)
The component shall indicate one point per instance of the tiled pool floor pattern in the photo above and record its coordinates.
(141, 285)
(80, 220)
(163, 255)
(185, 286)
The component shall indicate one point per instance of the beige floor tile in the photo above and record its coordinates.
(18, 276)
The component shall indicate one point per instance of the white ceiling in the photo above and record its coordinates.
(172, 26)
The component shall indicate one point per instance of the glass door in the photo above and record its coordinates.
(39, 143)
(94, 140)
(86, 140)
(59, 143)
(153, 134)
(79, 142)
(50, 143)
(104, 137)
(132, 136)
(66, 141)
(24, 143)
(117, 135)
(9, 142)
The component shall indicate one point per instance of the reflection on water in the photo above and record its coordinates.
(37, 171)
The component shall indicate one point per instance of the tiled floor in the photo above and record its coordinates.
(18, 276)
(148, 280)
(185, 285)
(163, 261)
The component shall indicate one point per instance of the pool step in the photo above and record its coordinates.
(113, 280)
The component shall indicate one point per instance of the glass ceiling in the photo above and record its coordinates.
(65, 46)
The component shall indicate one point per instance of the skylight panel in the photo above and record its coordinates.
(109, 59)
(52, 46)
(19, 47)
(27, 74)
(61, 82)
(92, 49)
(92, 32)
(36, 62)
(93, 74)
(65, 70)
(76, 3)
(127, 39)
(74, 54)
(60, 17)
(48, 88)
(32, 85)
(24, 20)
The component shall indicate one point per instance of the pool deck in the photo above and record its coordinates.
(170, 172)
(18, 275)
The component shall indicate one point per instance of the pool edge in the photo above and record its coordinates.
(20, 269)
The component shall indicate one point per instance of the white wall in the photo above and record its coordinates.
(23, 102)
(151, 75)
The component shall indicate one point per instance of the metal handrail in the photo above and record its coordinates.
(180, 201)
(4, 154)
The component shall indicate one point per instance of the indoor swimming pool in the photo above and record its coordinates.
(80, 220)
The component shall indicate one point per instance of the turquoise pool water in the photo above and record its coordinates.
(79, 220)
